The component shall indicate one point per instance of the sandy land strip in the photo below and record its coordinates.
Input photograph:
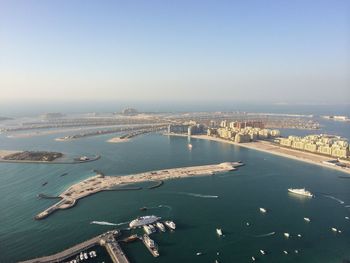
(100, 183)
(268, 147)
(4, 153)
(117, 140)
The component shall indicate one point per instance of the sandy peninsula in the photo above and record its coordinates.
(118, 140)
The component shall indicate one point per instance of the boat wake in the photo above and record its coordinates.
(199, 195)
(347, 206)
(334, 198)
(104, 223)
(266, 235)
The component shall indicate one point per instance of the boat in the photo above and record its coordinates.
(153, 229)
(334, 229)
(247, 224)
(189, 146)
(262, 210)
(219, 232)
(143, 208)
(286, 235)
(285, 252)
(151, 245)
(81, 256)
(43, 184)
(253, 258)
(300, 191)
(307, 219)
(339, 231)
(296, 251)
(199, 253)
(216, 261)
(299, 235)
(143, 220)
(160, 226)
(262, 252)
(147, 230)
(86, 255)
(347, 218)
(131, 238)
(170, 224)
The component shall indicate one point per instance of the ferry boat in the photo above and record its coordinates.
(143, 220)
(307, 219)
(262, 210)
(286, 235)
(147, 229)
(151, 245)
(160, 226)
(219, 232)
(300, 191)
(170, 224)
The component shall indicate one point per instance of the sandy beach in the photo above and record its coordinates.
(117, 140)
(268, 147)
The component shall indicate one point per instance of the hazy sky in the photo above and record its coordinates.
(278, 51)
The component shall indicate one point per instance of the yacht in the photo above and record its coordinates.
(299, 235)
(86, 255)
(170, 224)
(153, 229)
(219, 232)
(334, 229)
(143, 220)
(307, 219)
(300, 191)
(81, 256)
(262, 252)
(147, 229)
(253, 259)
(285, 252)
(286, 235)
(151, 245)
(160, 226)
(262, 210)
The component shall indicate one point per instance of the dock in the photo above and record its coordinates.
(101, 182)
(107, 240)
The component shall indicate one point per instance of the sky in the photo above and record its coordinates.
(185, 50)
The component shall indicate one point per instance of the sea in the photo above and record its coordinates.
(197, 205)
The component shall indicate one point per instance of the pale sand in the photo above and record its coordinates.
(4, 153)
(117, 140)
(268, 147)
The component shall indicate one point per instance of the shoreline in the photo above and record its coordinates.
(118, 140)
(268, 147)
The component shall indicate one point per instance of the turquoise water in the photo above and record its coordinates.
(262, 182)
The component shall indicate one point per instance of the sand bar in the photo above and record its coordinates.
(100, 182)
(118, 140)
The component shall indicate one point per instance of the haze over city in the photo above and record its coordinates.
(255, 51)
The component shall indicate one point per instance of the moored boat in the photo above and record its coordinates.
(300, 191)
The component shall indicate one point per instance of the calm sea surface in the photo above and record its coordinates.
(262, 182)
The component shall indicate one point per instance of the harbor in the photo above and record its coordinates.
(101, 182)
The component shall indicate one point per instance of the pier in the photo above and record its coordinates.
(107, 240)
(101, 182)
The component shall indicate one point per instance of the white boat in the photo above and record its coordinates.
(147, 230)
(296, 251)
(300, 191)
(285, 252)
(219, 232)
(143, 220)
(189, 146)
(286, 235)
(253, 258)
(299, 235)
(153, 229)
(151, 245)
(170, 224)
(86, 256)
(262, 252)
(347, 218)
(307, 219)
(334, 229)
(199, 253)
(247, 224)
(160, 226)
(262, 210)
(339, 231)
(81, 256)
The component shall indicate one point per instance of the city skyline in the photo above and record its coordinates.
(185, 51)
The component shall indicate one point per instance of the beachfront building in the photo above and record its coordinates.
(330, 145)
(178, 128)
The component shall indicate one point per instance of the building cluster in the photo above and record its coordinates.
(190, 129)
(241, 132)
(330, 145)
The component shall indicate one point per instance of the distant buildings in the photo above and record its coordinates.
(331, 145)
(189, 129)
(241, 132)
(129, 111)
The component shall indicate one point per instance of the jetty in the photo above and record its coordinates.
(106, 240)
(101, 182)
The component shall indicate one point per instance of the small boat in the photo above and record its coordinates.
(153, 229)
(86, 255)
(339, 231)
(216, 261)
(219, 232)
(170, 224)
(45, 183)
(189, 146)
(147, 229)
(199, 253)
(285, 252)
(307, 219)
(143, 208)
(160, 226)
(286, 235)
(262, 210)
(247, 224)
(262, 252)
(63, 174)
(347, 218)
(299, 235)
(296, 251)
(334, 229)
(81, 256)
(253, 259)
